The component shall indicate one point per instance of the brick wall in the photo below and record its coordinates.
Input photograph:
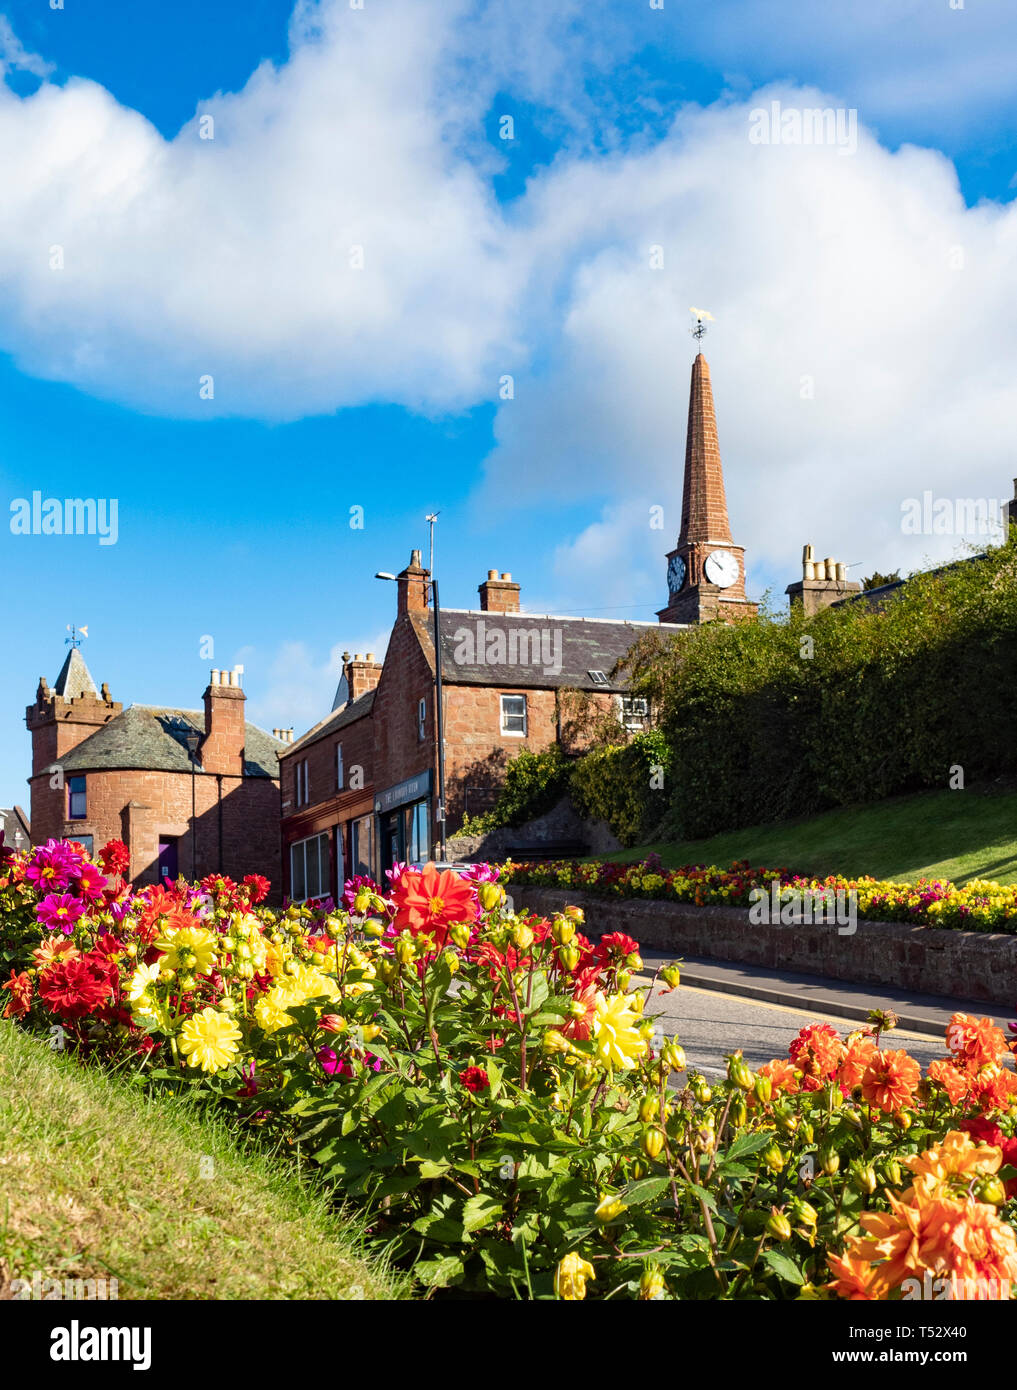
(967, 965)
(140, 806)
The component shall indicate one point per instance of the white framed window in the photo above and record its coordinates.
(309, 864)
(340, 774)
(421, 719)
(635, 711)
(302, 788)
(513, 715)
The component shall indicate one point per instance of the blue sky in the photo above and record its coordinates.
(882, 275)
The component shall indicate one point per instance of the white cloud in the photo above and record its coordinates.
(293, 686)
(13, 53)
(838, 268)
(231, 257)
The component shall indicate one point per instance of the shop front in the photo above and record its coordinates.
(403, 815)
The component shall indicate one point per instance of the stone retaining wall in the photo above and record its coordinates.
(931, 960)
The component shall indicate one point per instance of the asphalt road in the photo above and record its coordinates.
(710, 1024)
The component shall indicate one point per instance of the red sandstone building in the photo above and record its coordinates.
(359, 788)
(102, 772)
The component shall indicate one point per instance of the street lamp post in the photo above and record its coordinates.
(192, 738)
(440, 813)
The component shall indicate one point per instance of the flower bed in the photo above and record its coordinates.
(493, 1089)
(977, 906)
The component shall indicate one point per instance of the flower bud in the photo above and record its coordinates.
(738, 1071)
(553, 1041)
(829, 1160)
(228, 945)
(374, 926)
(405, 951)
(649, 1108)
(903, 1120)
(333, 929)
(778, 1225)
(332, 1023)
(804, 1212)
(652, 1141)
(863, 1178)
(702, 1092)
(451, 960)
(132, 949)
(673, 1055)
(990, 1189)
(575, 914)
(187, 983)
(491, 895)
(610, 1208)
(522, 937)
(671, 975)
(892, 1170)
(370, 1031)
(738, 1113)
(624, 980)
(774, 1158)
(652, 1284)
(562, 929)
(362, 901)
(460, 934)
(569, 957)
(763, 1089)
(634, 960)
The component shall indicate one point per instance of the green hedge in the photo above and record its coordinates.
(784, 716)
(625, 785)
(533, 783)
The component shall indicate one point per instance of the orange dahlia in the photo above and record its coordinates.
(429, 901)
(890, 1079)
(858, 1053)
(976, 1041)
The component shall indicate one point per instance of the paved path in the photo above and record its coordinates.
(709, 1024)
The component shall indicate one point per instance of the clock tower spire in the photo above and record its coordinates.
(706, 570)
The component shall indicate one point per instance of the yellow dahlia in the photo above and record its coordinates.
(185, 942)
(615, 1035)
(209, 1040)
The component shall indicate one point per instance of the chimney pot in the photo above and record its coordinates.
(492, 574)
(841, 572)
(507, 577)
(370, 656)
(215, 678)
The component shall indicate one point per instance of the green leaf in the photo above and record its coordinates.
(430, 1169)
(644, 1190)
(783, 1267)
(439, 1273)
(480, 1211)
(747, 1144)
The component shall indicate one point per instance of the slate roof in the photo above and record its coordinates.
(75, 678)
(152, 739)
(13, 822)
(338, 719)
(584, 645)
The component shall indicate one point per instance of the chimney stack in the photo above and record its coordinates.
(222, 749)
(412, 583)
(823, 582)
(498, 594)
(362, 674)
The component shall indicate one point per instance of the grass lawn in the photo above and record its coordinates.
(100, 1180)
(958, 835)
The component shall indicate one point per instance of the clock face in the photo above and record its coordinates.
(721, 568)
(675, 573)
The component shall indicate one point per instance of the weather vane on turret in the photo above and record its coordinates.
(76, 635)
(703, 317)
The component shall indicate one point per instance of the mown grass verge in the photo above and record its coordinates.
(99, 1179)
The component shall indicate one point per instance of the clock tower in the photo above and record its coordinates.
(706, 570)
